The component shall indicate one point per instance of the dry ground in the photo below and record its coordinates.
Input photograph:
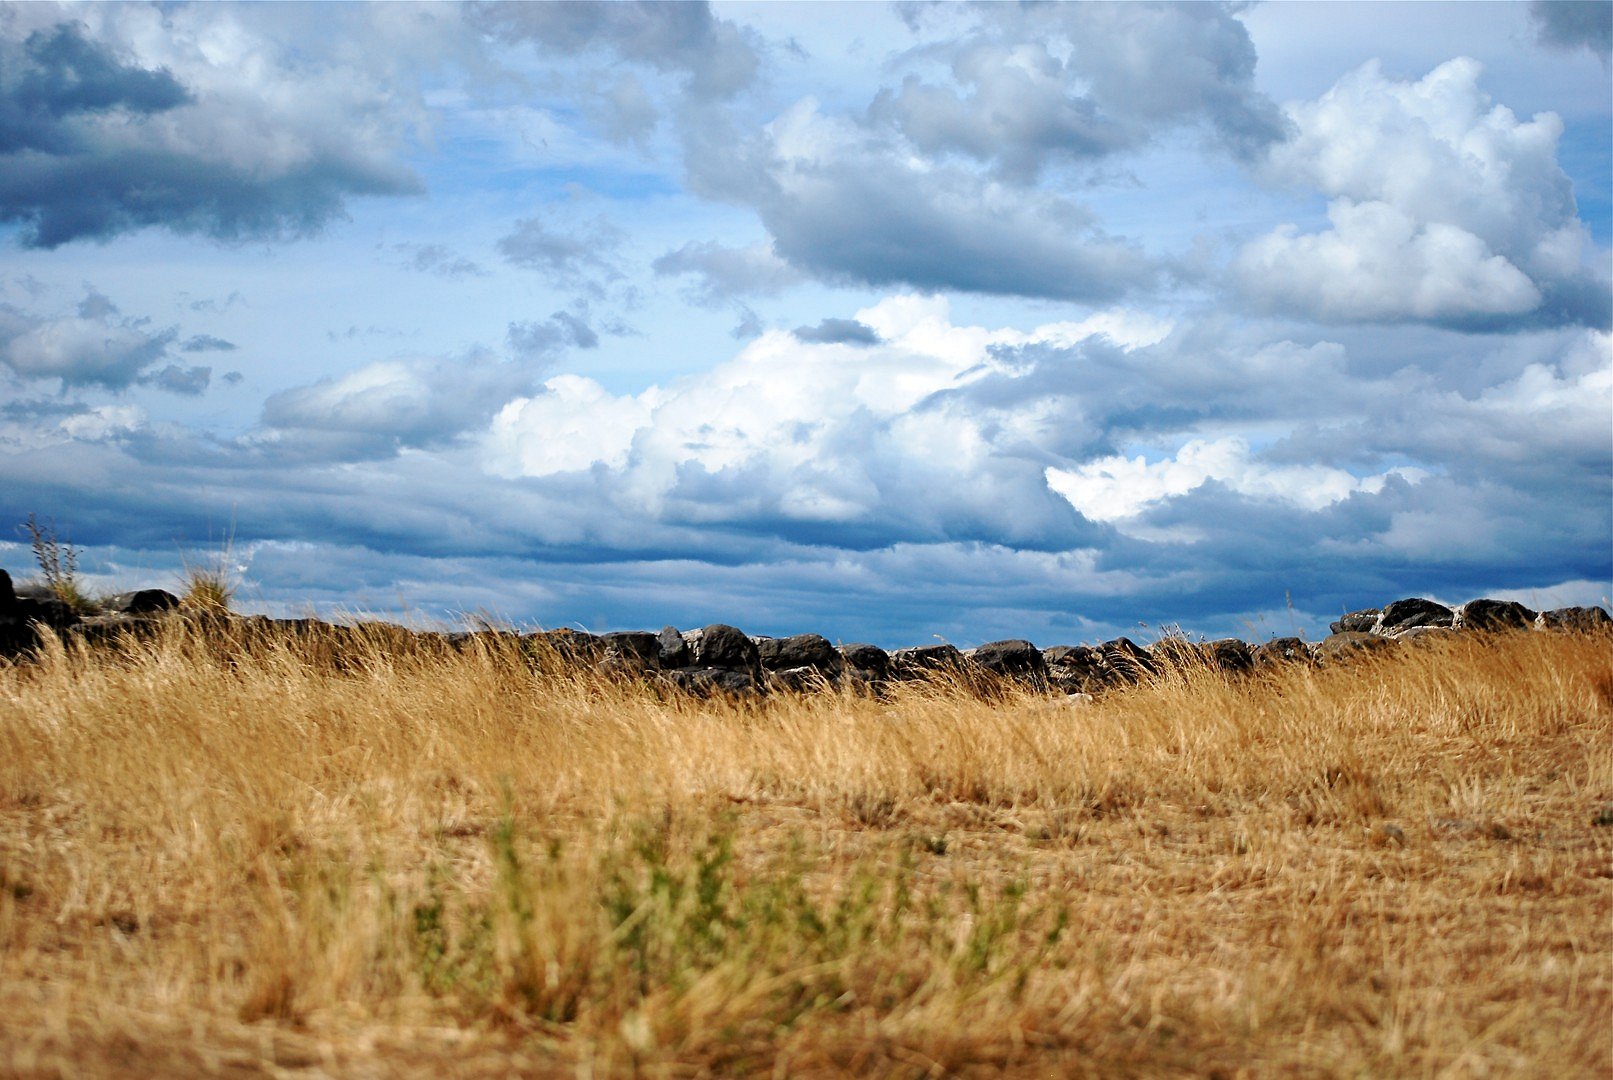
(416, 864)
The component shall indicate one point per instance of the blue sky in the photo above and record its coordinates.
(884, 321)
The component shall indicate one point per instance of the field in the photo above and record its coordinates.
(420, 863)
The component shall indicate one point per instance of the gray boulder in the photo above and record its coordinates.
(1424, 634)
(1077, 669)
(1284, 650)
(1582, 620)
(1414, 611)
(141, 602)
(871, 662)
(920, 660)
(1014, 659)
(722, 646)
(1353, 643)
(1231, 655)
(572, 645)
(1356, 621)
(1128, 661)
(706, 681)
(1180, 654)
(631, 650)
(801, 680)
(1493, 615)
(674, 651)
(799, 651)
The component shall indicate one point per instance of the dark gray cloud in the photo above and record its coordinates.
(715, 57)
(837, 332)
(1574, 24)
(93, 144)
(57, 74)
(206, 343)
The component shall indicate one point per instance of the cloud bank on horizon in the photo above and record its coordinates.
(885, 322)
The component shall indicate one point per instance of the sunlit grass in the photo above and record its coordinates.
(410, 860)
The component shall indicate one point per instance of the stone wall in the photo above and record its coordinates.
(724, 659)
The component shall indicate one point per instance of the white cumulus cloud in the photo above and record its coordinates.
(1445, 208)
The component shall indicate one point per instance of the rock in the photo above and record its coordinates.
(568, 644)
(142, 602)
(1128, 661)
(1181, 654)
(8, 595)
(1350, 643)
(674, 651)
(1285, 650)
(1493, 615)
(1231, 655)
(705, 681)
(1415, 611)
(799, 651)
(1581, 620)
(46, 610)
(1423, 634)
(870, 661)
(920, 660)
(799, 679)
(1077, 669)
(1356, 621)
(722, 646)
(1013, 659)
(33, 590)
(631, 650)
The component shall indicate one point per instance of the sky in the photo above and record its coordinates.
(887, 322)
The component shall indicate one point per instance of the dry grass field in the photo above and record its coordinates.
(417, 863)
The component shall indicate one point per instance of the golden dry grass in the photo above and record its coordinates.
(422, 863)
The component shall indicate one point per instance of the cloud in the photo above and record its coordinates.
(438, 259)
(206, 343)
(198, 120)
(1378, 264)
(848, 205)
(580, 258)
(389, 405)
(715, 57)
(1075, 83)
(96, 346)
(723, 273)
(541, 340)
(64, 75)
(1574, 24)
(1118, 488)
(191, 381)
(1446, 209)
(1058, 483)
(837, 332)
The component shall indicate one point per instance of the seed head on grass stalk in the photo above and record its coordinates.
(58, 564)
